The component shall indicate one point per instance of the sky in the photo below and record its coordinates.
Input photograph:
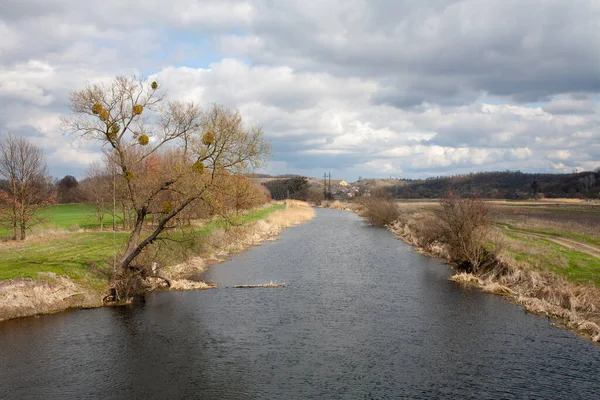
(358, 88)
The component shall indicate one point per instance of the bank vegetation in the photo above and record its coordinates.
(528, 263)
(60, 275)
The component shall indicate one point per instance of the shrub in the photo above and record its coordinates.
(315, 196)
(463, 224)
(378, 210)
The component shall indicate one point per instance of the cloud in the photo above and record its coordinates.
(358, 87)
(570, 106)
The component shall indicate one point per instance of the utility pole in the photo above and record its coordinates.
(330, 194)
(325, 185)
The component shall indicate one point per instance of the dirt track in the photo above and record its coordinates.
(573, 244)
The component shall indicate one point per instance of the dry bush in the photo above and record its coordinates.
(425, 229)
(463, 224)
(315, 196)
(378, 209)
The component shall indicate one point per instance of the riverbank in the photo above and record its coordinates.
(538, 290)
(542, 276)
(221, 244)
(77, 281)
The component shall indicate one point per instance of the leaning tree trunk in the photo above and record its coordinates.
(132, 245)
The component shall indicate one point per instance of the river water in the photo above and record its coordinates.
(362, 316)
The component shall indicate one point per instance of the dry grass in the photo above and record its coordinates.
(185, 284)
(419, 230)
(529, 283)
(541, 292)
(337, 205)
(377, 211)
(220, 244)
(295, 213)
(496, 288)
(22, 296)
(465, 277)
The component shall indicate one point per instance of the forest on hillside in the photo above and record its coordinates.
(503, 185)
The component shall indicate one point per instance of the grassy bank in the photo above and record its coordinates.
(201, 241)
(71, 269)
(220, 243)
(86, 257)
(81, 257)
(540, 253)
(544, 258)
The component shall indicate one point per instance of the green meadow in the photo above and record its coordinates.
(86, 257)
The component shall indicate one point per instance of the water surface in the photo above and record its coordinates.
(362, 316)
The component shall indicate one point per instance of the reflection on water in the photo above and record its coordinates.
(361, 316)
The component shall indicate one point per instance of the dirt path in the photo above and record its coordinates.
(573, 244)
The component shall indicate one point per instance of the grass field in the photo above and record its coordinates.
(64, 217)
(521, 221)
(72, 253)
(576, 266)
(575, 220)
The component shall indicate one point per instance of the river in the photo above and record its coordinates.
(362, 316)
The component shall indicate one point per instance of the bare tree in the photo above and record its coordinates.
(138, 129)
(463, 224)
(98, 191)
(29, 187)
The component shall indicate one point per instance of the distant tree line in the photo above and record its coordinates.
(296, 188)
(503, 185)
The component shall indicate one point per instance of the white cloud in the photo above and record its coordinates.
(367, 87)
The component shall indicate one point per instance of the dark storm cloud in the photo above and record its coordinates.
(527, 51)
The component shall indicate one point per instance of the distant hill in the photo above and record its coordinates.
(494, 185)
(503, 185)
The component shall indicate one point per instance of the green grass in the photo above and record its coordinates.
(576, 266)
(558, 234)
(580, 267)
(248, 217)
(183, 244)
(70, 254)
(66, 216)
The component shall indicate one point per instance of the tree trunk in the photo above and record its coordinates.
(101, 214)
(133, 248)
(14, 221)
(14, 213)
(133, 243)
(22, 221)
